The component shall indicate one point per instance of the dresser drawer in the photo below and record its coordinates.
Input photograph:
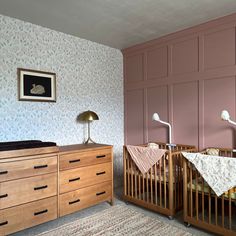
(17, 218)
(85, 176)
(85, 197)
(79, 159)
(26, 190)
(26, 168)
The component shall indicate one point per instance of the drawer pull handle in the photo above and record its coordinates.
(40, 167)
(72, 180)
(41, 187)
(73, 161)
(4, 223)
(40, 212)
(100, 156)
(73, 202)
(101, 173)
(3, 172)
(4, 195)
(100, 193)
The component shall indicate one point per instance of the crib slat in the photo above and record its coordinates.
(196, 188)
(160, 180)
(125, 171)
(230, 207)
(135, 181)
(143, 193)
(128, 165)
(180, 174)
(151, 185)
(179, 191)
(175, 177)
(155, 174)
(216, 211)
(165, 182)
(147, 193)
(170, 181)
(139, 184)
(132, 179)
(209, 205)
(203, 208)
(191, 191)
(223, 211)
(185, 188)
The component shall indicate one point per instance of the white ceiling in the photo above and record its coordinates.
(117, 23)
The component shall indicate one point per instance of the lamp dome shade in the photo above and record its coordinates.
(88, 116)
(155, 117)
(225, 115)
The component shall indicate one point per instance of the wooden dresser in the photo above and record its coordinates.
(85, 176)
(28, 188)
(41, 184)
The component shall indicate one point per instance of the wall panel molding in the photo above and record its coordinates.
(157, 63)
(156, 101)
(134, 133)
(134, 68)
(202, 75)
(219, 48)
(185, 56)
(200, 69)
(201, 137)
(185, 112)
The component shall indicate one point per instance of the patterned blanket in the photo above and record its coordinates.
(145, 157)
(219, 172)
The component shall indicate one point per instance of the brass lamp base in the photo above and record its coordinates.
(89, 140)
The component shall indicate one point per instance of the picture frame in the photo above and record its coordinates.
(35, 85)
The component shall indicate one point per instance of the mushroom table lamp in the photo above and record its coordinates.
(226, 117)
(88, 116)
(156, 117)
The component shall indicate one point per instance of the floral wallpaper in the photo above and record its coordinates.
(89, 76)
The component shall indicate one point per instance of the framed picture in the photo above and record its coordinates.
(36, 85)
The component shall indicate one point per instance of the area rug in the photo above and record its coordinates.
(117, 220)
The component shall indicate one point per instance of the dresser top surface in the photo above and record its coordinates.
(82, 147)
(28, 152)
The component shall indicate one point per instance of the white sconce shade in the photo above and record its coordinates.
(226, 117)
(155, 117)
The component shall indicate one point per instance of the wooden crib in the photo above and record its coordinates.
(202, 207)
(161, 188)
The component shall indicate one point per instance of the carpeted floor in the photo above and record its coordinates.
(176, 222)
(118, 220)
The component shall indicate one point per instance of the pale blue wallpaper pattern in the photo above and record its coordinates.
(88, 76)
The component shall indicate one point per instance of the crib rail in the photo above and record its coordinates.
(161, 188)
(202, 207)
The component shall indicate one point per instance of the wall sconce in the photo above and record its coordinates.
(88, 116)
(156, 117)
(226, 117)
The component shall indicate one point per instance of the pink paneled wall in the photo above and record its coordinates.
(188, 77)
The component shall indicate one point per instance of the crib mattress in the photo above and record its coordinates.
(206, 188)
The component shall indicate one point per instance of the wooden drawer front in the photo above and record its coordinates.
(85, 197)
(17, 218)
(78, 159)
(21, 191)
(85, 176)
(27, 168)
